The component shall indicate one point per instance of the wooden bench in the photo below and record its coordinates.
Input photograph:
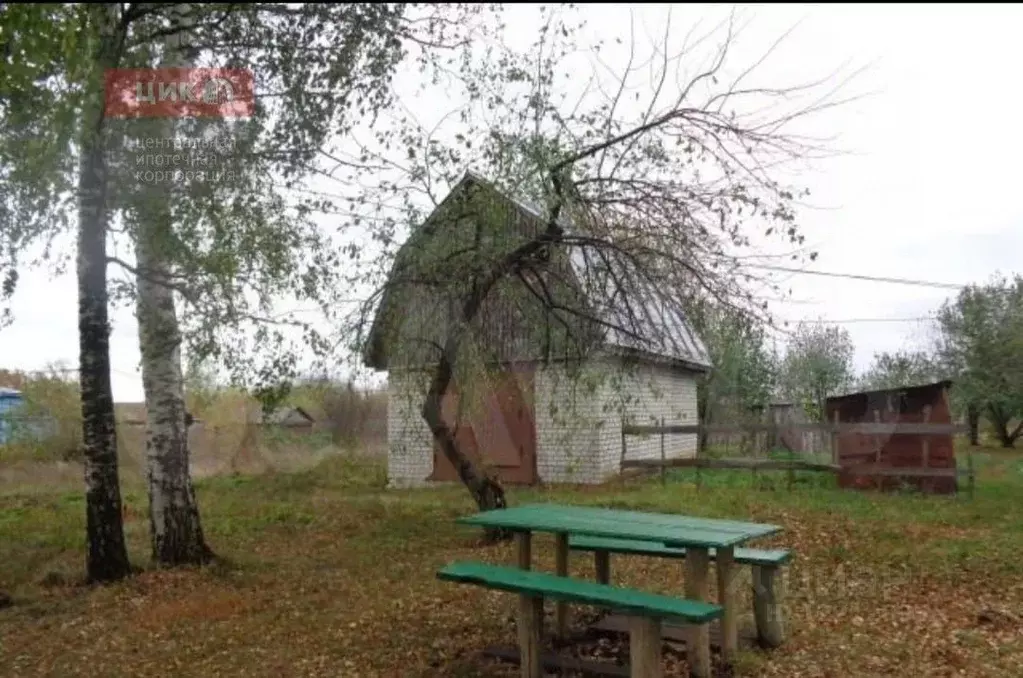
(647, 610)
(766, 566)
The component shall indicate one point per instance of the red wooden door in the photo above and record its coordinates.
(498, 430)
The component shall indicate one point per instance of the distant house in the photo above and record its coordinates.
(295, 418)
(17, 424)
(134, 414)
(10, 402)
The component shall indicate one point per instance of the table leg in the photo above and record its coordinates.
(767, 594)
(645, 648)
(530, 623)
(524, 541)
(696, 583)
(561, 569)
(727, 582)
(602, 565)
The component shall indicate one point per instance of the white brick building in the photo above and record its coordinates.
(529, 414)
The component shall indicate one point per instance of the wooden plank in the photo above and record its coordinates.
(663, 467)
(877, 442)
(649, 548)
(672, 530)
(672, 632)
(696, 566)
(530, 625)
(561, 569)
(553, 587)
(908, 472)
(757, 464)
(645, 648)
(524, 541)
(926, 441)
(866, 428)
(602, 566)
(561, 663)
(728, 579)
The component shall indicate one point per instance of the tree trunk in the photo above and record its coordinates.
(702, 418)
(107, 557)
(973, 422)
(485, 490)
(176, 531)
(1001, 423)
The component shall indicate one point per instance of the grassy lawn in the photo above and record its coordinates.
(328, 574)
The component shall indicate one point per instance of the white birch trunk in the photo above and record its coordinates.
(177, 536)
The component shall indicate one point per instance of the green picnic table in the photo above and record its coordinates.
(698, 539)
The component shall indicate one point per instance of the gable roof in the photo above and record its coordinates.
(289, 416)
(635, 315)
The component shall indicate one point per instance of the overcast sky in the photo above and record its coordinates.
(927, 191)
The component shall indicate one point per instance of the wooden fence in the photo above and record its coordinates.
(754, 465)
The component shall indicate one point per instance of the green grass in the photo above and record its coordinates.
(327, 571)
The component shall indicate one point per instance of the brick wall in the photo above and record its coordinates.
(581, 441)
(578, 420)
(409, 441)
(572, 430)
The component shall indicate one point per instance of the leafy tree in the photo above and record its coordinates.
(643, 189)
(899, 369)
(817, 364)
(223, 253)
(980, 339)
(744, 370)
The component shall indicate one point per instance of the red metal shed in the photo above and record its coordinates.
(874, 461)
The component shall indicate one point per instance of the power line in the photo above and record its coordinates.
(870, 320)
(854, 276)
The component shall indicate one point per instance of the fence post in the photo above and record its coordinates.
(663, 470)
(834, 440)
(969, 465)
(623, 446)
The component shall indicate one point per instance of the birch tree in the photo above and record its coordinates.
(175, 526)
(236, 249)
(659, 173)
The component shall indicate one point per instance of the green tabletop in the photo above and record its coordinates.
(668, 529)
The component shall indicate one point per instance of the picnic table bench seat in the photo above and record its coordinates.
(745, 556)
(647, 610)
(765, 568)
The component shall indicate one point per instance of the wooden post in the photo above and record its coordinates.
(530, 623)
(927, 438)
(524, 541)
(645, 648)
(767, 605)
(561, 569)
(698, 640)
(877, 441)
(792, 474)
(530, 615)
(624, 448)
(969, 467)
(835, 439)
(727, 581)
(602, 566)
(663, 469)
